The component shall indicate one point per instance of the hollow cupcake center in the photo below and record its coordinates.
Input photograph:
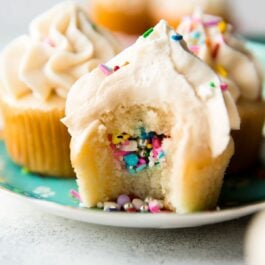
(138, 152)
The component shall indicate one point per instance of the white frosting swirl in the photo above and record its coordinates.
(210, 38)
(160, 72)
(62, 46)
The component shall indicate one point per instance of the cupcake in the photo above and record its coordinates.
(213, 40)
(174, 10)
(129, 17)
(37, 70)
(153, 121)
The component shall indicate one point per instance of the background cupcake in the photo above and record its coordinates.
(129, 16)
(213, 40)
(174, 10)
(37, 70)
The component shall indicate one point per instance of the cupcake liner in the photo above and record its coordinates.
(37, 140)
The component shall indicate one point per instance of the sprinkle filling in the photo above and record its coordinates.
(138, 152)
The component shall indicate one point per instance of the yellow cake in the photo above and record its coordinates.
(153, 121)
(130, 16)
(37, 70)
(214, 41)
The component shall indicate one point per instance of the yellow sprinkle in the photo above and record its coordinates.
(149, 146)
(126, 136)
(222, 26)
(116, 139)
(221, 71)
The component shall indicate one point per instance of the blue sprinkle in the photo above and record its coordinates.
(140, 168)
(161, 155)
(143, 134)
(131, 170)
(131, 160)
(196, 35)
(177, 37)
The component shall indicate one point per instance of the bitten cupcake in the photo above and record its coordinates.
(130, 16)
(174, 10)
(153, 121)
(213, 40)
(37, 70)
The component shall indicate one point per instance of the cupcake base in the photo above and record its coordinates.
(35, 138)
(249, 138)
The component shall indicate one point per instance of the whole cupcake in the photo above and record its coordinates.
(130, 17)
(153, 121)
(37, 70)
(213, 40)
(174, 10)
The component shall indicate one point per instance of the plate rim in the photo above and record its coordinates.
(137, 220)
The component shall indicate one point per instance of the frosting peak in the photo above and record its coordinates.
(157, 71)
(213, 40)
(62, 46)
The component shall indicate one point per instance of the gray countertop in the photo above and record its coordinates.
(29, 236)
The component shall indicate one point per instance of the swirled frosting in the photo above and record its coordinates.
(157, 71)
(213, 40)
(62, 45)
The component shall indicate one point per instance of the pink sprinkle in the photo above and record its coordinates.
(211, 23)
(141, 161)
(156, 143)
(194, 48)
(49, 42)
(76, 195)
(154, 207)
(116, 68)
(127, 142)
(106, 71)
(121, 153)
(224, 87)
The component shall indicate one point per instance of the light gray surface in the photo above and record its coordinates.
(28, 236)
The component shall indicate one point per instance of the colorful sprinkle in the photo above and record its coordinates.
(224, 87)
(177, 37)
(215, 50)
(122, 199)
(154, 206)
(76, 195)
(148, 32)
(212, 84)
(138, 152)
(222, 26)
(221, 71)
(116, 68)
(106, 71)
(211, 23)
(24, 171)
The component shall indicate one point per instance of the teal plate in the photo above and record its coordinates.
(240, 196)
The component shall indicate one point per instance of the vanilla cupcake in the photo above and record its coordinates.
(213, 40)
(37, 70)
(130, 17)
(174, 10)
(153, 121)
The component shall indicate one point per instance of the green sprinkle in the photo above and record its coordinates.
(212, 84)
(148, 32)
(24, 171)
(94, 27)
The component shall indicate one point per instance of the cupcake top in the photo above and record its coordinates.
(213, 40)
(61, 46)
(157, 71)
(178, 8)
(129, 6)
